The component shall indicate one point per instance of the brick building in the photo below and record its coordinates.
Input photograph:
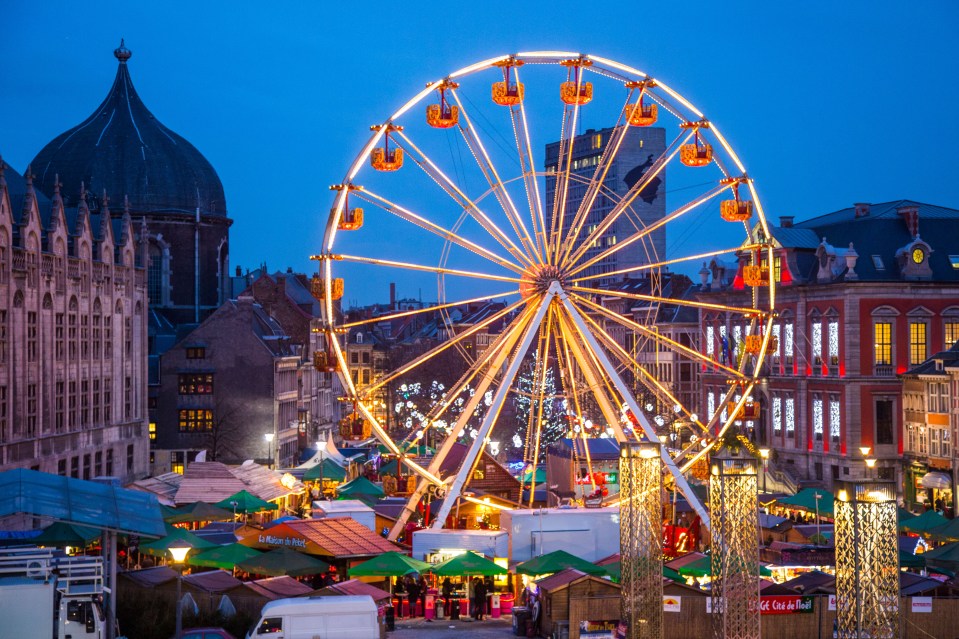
(863, 294)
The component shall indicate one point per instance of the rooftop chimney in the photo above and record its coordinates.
(862, 209)
(910, 215)
(786, 221)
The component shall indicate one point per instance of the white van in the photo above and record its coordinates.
(347, 617)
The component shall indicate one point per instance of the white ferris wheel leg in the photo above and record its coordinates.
(532, 330)
(678, 476)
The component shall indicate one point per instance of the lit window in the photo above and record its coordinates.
(952, 333)
(191, 420)
(954, 260)
(597, 140)
(195, 384)
(817, 417)
(917, 343)
(833, 333)
(711, 403)
(788, 340)
(835, 418)
(817, 342)
(777, 330)
(153, 431)
(196, 352)
(882, 342)
(790, 416)
(710, 340)
(777, 415)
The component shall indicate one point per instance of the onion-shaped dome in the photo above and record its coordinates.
(124, 150)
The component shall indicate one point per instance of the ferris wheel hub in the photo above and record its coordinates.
(538, 278)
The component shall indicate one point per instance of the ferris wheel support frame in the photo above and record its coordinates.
(623, 390)
(532, 330)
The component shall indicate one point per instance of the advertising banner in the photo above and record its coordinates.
(672, 603)
(922, 604)
(785, 604)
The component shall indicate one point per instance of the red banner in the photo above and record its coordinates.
(785, 604)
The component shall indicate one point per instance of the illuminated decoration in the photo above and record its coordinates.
(734, 507)
(918, 255)
(508, 93)
(835, 420)
(698, 153)
(355, 427)
(575, 90)
(324, 359)
(833, 333)
(711, 402)
(641, 539)
(754, 344)
(790, 416)
(749, 409)
(754, 275)
(817, 417)
(777, 415)
(288, 481)
(867, 560)
(443, 115)
(777, 333)
(788, 340)
(352, 219)
(736, 210)
(530, 271)
(817, 342)
(383, 158)
(318, 287)
(710, 340)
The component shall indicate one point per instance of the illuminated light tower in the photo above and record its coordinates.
(867, 560)
(734, 511)
(641, 538)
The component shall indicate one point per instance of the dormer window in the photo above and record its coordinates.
(359, 338)
(877, 263)
(954, 260)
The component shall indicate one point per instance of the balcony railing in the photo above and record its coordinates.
(884, 370)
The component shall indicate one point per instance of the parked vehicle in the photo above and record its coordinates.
(44, 595)
(205, 633)
(352, 617)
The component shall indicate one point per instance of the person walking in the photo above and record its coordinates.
(479, 594)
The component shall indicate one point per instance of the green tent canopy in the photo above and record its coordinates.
(905, 515)
(805, 499)
(63, 534)
(283, 561)
(948, 553)
(360, 486)
(389, 564)
(555, 561)
(924, 523)
(538, 477)
(327, 470)
(175, 537)
(949, 530)
(702, 567)
(199, 511)
(226, 557)
(909, 560)
(245, 503)
(467, 564)
(409, 448)
(614, 570)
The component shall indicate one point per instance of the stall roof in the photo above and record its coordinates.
(338, 537)
(566, 577)
(212, 581)
(78, 501)
(278, 587)
(212, 482)
(150, 577)
(163, 486)
(356, 587)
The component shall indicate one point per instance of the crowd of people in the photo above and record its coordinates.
(415, 588)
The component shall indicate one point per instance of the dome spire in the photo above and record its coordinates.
(121, 53)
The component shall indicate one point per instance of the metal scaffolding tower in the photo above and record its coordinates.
(867, 560)
(641, 538)
(734, 506)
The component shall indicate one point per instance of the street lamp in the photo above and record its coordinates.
(269, 443)
(764, 453)
(870, 464)
(234, 503)
(179, 554)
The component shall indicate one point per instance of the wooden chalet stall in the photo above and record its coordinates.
(570, 597)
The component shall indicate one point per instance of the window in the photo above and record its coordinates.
(107, 336)
(366, 357)
(832, 333)
(788, 340)
(155, 275)
(777, 415)
(4, 420)
(62, 467)
(86, 466)
(193, 420)
(917, 343)
(354, 358)
(711, 403)
(127, 397)
(817, 342)
(75, 467)
(84, 403)
(3, 334)
(954, 260)
(153, 431)
(884, 421)
(817, 417)
(479, 473)
(97, 337)
(196, 352)
(597, 140)
(195, 384)
(835, 419)
(711, 341)
(877, 263)
(777, 335)
(934, 439)
(882, 342)
(96, 401)
(72, 336)
(176, 462)
(946, 443)
(58, 407)
(951, 333)
(32, 328)
(270, 625)
(107, 402)
(109, 462)
(366, 376)
(85, 337)
(129, 458)
(98, 464)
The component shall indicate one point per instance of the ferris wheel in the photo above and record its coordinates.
(545, 198)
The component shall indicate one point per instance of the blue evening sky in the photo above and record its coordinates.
(827, 103)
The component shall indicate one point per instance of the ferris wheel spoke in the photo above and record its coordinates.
(461, 199)
(359, 259)
(485, 163)
(427, 309)
(524, 150)
(657, 167)
(727, 424)
(743, 310)
(564, 165)
(659, 338)
(541, 359)
(596, 184)
(644, 232)
(678, 260)
(436, 350)
(423, 223)
(565, 363)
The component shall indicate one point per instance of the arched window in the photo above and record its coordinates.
(155, 274)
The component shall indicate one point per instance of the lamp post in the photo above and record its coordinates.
(764, 453)
(870, 464)
(234, 503)
(269, 444)
(865, 454)
(179, 554)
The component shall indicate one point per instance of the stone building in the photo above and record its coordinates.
(73, 308)
(863, 294)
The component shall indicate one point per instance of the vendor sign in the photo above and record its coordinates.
(922, 604)
(598, 629)
(785, 604)
(672, 603)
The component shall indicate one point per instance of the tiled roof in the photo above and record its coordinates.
(791, 237)
(341, 537)
(214, 481)
(560, 579)
(263, 482)
(356, 587)
(928, 367)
